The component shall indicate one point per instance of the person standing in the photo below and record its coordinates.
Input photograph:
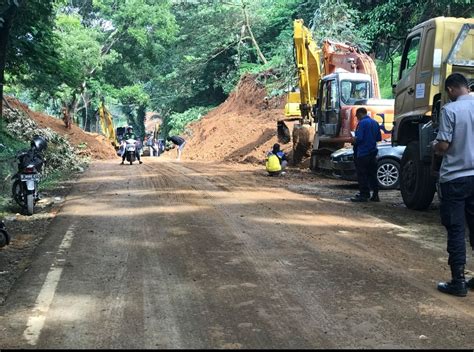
(367, 135)
(455, 143)
(179, 142)
(150, 142)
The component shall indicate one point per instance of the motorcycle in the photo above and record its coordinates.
(4, 236)
(131, 150)
(26, 180)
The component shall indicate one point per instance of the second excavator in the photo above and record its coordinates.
(333, 81)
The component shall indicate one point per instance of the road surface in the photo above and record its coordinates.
(189, 255)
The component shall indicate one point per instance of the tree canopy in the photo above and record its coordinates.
(180, 58)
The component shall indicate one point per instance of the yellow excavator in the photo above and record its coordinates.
(334, 81)
(107, 125)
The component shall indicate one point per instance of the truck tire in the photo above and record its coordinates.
(30, 203)
(417, 185)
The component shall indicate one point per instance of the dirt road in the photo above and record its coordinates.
(189, 255)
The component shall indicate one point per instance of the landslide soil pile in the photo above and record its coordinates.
(242, 129)
(93, 145)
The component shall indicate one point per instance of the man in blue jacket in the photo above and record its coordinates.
(367, 135)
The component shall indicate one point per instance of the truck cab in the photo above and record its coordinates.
(433, 50)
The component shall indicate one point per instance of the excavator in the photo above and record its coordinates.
(333, 81)
(107, 125)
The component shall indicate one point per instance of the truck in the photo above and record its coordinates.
(334, 81)
(433, 50)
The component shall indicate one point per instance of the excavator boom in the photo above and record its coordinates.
(107, 124)
(308, 62)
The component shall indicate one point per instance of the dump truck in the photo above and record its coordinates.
(433, 50)
(333, 81)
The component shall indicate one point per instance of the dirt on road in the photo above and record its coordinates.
(242, 129)
(199, 255)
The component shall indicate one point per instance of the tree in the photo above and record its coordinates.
(27, 32)
(7, 15)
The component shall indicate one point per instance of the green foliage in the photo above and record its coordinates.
(32, 43)
(177, 57)
(338, 21)
(384, 70)
(176, 123)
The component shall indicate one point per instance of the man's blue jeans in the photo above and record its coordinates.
(457, 208)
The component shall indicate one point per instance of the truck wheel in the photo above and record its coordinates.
(417, 185)
(388, 174)
(30, 203)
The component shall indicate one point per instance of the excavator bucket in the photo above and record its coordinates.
(283, 132)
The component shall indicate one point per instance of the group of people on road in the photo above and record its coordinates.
(156, 146)
(455, 144)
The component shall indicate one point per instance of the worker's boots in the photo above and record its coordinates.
(457, 286)
(470, 284)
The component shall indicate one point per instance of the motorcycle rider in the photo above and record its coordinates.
(130, 135)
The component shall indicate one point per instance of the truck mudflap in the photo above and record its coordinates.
(427, 135)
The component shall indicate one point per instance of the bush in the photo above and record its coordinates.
(176, 123)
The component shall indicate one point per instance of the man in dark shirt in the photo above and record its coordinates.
(365, 156)
(179, 142)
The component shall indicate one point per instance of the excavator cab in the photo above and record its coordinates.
(338, 91)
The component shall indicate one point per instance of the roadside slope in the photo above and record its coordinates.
(96, 145)
(242, 129)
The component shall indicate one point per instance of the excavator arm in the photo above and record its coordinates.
(308, 62)
(107, 124)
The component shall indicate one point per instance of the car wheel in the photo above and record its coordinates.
(388, 174)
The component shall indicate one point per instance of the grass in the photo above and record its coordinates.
(8, 168)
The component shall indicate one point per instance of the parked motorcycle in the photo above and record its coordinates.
(131, 150)
(4, 236)
(26, 180)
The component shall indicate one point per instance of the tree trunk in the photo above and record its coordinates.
(254, 41)
(7, 15)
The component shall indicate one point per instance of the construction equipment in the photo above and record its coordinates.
(107, 125)
(334, 81)
(433, 50)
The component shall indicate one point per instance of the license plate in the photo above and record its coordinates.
(131, 149)
(35, 177)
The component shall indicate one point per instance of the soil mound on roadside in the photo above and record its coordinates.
(89, 144)
(242, 129)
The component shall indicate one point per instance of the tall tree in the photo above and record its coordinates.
(7, 15)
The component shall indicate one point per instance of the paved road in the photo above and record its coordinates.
(187, 255)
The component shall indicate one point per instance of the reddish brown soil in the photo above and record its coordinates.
(97, 145)
(242, 129)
